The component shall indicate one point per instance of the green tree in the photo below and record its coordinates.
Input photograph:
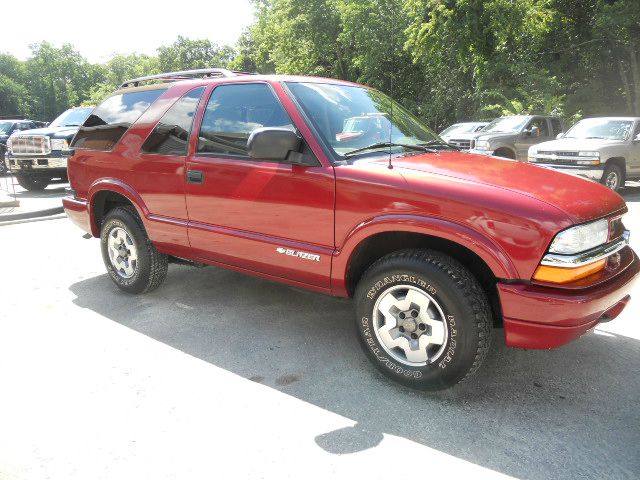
(186, 54)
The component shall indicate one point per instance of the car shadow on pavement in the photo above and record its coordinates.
(527, 413)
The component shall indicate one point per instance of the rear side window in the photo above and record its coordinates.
(233, 112)
(171, 135)
(556, 125)
(112, 118)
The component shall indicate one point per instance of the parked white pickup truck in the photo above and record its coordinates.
(605, 149)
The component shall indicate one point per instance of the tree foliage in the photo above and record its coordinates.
(447, 60)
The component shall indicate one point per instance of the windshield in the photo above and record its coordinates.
(461, 128)
(5, 127)
(73, 117)
(351, 117)
(601, 128)
(506, 124)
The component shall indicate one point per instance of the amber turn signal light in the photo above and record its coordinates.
(549, 274)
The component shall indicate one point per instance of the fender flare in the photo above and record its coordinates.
(489, 252)
(116, 186)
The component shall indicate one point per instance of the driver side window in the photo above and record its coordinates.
(541, 125)
(233, 112)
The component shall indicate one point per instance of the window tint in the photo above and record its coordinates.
(112, 118)
(233, 112)
(556, 125)
(171, 135)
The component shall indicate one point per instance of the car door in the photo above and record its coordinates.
(529, 137)
(268, 217)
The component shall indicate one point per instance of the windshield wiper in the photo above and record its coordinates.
(591, 138)
(390, 144)
(440, 143)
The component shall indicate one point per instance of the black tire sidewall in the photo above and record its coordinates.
(462, 341)
(33, 184)
(618, 170)
(125, 220)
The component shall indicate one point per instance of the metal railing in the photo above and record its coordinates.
(184, 75)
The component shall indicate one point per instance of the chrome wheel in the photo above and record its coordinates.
(612, 181)
(410, 325)
(122, 252)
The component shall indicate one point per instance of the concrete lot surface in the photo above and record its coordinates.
(220, 375)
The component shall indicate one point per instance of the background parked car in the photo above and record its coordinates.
(8, 127)
(38, 157)
(461, 134)
(511, 136)
(605, 149)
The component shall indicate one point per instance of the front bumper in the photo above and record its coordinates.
(591, 172)
(481, 152)
(542, 316)
(18, 163)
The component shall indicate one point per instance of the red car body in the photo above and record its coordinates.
(506, 213)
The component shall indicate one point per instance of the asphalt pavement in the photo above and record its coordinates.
(221, 375)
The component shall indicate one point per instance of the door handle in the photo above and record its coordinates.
(195, 176)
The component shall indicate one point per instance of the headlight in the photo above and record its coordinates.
(581, 238)
(589, 154)
(482, 145)
(59, 144)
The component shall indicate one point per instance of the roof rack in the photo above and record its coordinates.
(184, 75)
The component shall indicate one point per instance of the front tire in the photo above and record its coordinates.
(133, 263)
(613, 178)
(33, 184)
(423, 319)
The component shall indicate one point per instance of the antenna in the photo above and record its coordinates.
(393, 11)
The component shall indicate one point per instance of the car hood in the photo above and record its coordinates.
(493, 135)
(576, 144)
(581, 200)
(52, 132)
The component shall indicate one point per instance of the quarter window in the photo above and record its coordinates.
(171, 135)
(106, 125)
(233, 112)
(556, 126)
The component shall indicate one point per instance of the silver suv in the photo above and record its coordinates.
(605, 149)
(511, 137)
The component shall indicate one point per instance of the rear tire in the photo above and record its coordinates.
(411, 294)
(133, 263)
(613, 177)
(33, 184)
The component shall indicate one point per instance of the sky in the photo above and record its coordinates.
(100, 30)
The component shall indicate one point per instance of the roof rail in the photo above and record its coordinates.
(184, 75)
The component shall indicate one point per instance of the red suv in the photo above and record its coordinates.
(264, 175)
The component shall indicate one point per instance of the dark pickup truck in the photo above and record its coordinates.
(9, 126)
(38, 157)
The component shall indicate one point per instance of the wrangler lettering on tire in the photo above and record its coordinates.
(423, 319)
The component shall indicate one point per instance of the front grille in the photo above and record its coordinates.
(472, 144)
(30, 145)
(559, 154)
(461, 143)
(556, 161)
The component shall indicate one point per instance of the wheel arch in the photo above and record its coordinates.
(107, 194)
(371, 241)
(505, 148)
(619, 161)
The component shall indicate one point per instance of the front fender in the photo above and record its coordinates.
(491, 253)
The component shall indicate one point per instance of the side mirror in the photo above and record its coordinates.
(560, 135)
(273, 144)
(637, 139)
